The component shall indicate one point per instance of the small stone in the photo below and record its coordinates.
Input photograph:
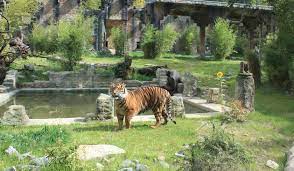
(10, 169)
(161, 158)
(99, 166)
(272, 164)
(11, 150)
(180, 154)
(127, 163)
(141, 167)
(164, 164)
(126, 169)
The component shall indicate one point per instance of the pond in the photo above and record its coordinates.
(63, 104)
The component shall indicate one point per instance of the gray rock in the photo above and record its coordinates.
(141, 167)
(41, 161)
(272, 164)
(290, 160)
(10, 169)
(213, 95)
(164, 164)
(89, 152)
(99, 166)
(190, 85)
(104, 107)
(178, 108)
(16, 115)
(127, 163)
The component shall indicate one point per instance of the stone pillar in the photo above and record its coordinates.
(178, 108)
(190, 85)
(16, 115)
(161, 75)
(104, 107)
(245, 90)
(213, 95)
(202, 40)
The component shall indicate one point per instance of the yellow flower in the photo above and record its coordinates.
(220, 74)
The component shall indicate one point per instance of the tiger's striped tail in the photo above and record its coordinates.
(169, 110)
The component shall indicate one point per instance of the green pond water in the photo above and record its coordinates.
(63, 104)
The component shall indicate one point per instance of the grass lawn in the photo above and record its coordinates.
(267, 135)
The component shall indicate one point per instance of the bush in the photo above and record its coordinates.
(155, 42)
(237, 113)
(118, 38)
(222, 39)
(44, 39)
(73, 38)
(242, 44)
(276, 63)
(189, 40)
(217, 151)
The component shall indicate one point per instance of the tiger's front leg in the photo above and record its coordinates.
(128, 118)
(120, 119)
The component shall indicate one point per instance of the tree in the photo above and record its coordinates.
(118, 38)
(279, 52)
(222, 39)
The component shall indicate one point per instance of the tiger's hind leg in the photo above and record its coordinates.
(165, 116)
(158, 114)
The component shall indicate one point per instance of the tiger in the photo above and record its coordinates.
(131, 103)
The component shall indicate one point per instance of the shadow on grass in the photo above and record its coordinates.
(108, 128)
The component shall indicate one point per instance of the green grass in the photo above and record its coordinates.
(267, 135)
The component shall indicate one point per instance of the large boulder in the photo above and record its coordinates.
(104, 107)
(16, 115)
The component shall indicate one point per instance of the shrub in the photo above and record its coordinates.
(74, 37)
(222, 39)
(156, 42)
(242, 44)
(189, 40)
(44, 39)
(217, 151)
(148, 43)
(276, 63)
(237, 113)
(118, 38)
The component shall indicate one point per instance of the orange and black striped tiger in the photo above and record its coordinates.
(131, 103)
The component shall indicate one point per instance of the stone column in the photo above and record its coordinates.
(245, 90)
(202, 40)
(178, 108)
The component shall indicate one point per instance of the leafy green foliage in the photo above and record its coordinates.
(279, 53)
(44, 39)
(92, 4)
(156, 42)
(73, 38)
(19, 12)
(276, 62)
(217, 151)
(242, 44)
(118, 38)
(189, 40)
(47, 136)
(222, 39)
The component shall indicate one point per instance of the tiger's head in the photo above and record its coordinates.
(118, 91)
